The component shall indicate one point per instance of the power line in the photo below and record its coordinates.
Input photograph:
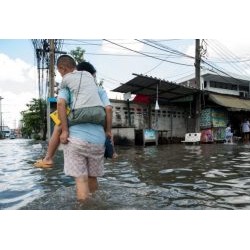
(233, 61)
(42, 50)
(153, 68)
(109, 78)
(164, 48)
(228, 56)
(113, 54)
(183, 64)
(221, 71)
(128, 55)
(224, 56)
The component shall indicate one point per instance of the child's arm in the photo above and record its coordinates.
(61, 107)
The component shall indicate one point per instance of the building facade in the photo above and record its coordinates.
(223, 99)
(172, 119)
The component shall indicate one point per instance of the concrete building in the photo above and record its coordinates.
(223, 99)
(141, 115)
(170, 111)
(235, 85)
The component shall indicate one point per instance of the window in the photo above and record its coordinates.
(224, 85)
(243, 88)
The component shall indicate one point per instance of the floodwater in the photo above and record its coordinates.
(167, 177)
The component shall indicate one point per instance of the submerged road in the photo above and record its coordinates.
(167, 177)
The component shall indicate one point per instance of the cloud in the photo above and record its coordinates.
(12, 105)
(16, 75)
(18, 85)
(239, 47)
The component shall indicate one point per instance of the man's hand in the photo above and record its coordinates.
(108, 134)
(64, 137)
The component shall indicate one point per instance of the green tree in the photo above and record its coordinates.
(78, 54)
(34, 119)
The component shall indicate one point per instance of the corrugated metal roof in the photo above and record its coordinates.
(147, 85)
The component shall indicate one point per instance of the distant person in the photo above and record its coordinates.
(228, 134)
(47, 161)
(245, 130)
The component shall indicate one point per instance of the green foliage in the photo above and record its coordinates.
(36, 137)
(34, 119)
(78, 54)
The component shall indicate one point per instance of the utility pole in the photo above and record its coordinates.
(51, 67)
(51, 83)
(198, 84)
(46, 51)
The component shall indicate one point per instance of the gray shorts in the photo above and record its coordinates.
(83, 158)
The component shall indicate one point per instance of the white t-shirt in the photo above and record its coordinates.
(87, 132)
(228, 132)
(245, 127)
(85, 95)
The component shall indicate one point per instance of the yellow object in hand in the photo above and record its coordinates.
(54, 116)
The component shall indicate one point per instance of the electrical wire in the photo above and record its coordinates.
(128, 55)
(164, 48)
(227, 56)
(41, 48)
(157, 65)
(183, 64)
(215, 69)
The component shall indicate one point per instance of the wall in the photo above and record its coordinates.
(172, 118)
(123, 136)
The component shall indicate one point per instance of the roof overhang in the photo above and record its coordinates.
(147, 85)
(230, 102)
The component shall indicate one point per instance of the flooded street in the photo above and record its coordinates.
(173, 176)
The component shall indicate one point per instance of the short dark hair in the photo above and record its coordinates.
(86, 66)
(67, 61)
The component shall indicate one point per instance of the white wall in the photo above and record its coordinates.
(172, 118)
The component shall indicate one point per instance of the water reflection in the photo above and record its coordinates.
(212, 176)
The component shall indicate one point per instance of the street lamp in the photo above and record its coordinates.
(1, 124)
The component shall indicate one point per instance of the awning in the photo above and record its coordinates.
(147, 85)
(230, 102)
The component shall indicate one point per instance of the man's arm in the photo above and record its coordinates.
(108, 123)
(61, 107)
(108, 109)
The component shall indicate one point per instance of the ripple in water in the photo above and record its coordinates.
(164, 177)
